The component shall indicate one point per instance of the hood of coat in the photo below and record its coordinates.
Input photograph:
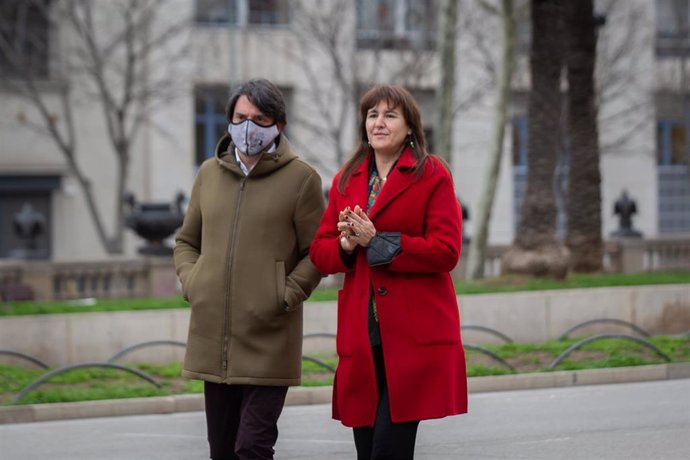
(268, 163)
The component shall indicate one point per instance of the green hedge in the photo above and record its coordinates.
(489, 285)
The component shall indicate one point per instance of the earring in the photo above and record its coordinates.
(411, 143)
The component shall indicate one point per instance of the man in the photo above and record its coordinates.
(242, 258)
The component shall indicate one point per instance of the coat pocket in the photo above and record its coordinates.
(343, 339)
(189, 288)
(280, 285)
(434, 318)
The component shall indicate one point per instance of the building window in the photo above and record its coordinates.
(243, 12)
(209, 119)
(673, 178)
(671, 143)
(397, 24)
(269, 12)
(672, 35)
(24, 30)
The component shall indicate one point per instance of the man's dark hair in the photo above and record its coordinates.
(264, 95)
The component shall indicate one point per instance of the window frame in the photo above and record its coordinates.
(208, 119)
(664, 144)
(402, 35)
(35, 60)
(242, 14)
(676, 42)
(673, 210)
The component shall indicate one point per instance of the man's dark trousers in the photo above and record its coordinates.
(242, 420)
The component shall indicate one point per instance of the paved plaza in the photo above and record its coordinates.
(632, 421)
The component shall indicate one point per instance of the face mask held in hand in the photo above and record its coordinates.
(251, 138)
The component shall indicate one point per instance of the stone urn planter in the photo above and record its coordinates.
(155, 222)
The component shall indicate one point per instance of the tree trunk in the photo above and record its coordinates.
(536, 251)
(584, 185)
(123, 155)
(446, 93)
(475, 267)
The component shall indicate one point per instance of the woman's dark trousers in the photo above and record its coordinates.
(386, 440)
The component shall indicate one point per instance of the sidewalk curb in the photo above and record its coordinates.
(322, 395)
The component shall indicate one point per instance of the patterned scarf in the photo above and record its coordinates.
(375, 185)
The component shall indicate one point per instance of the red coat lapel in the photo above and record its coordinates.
(358, 185)
(397, 182)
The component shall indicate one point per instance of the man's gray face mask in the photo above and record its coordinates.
(251, 138)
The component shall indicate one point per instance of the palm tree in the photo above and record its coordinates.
(584, 185)
(536, 250)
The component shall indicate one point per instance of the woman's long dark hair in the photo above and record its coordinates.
(396, 96)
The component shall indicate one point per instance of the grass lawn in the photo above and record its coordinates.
(93, 384)
(489, 285)
(573, 281)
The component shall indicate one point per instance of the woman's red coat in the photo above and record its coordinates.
(415, 298)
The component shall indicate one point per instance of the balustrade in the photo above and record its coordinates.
(155, 277)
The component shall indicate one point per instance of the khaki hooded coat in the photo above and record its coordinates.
(242, 259)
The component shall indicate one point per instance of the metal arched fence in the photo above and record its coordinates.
(311, 359)
(494, 332)
(491, 354)
(583, 342)
(620, 322)
(139, 346)
(48, 375)
(319, 335)
(468, 346)
(318, 362)
(25, 357)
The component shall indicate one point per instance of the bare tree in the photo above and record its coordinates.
(620, 78)
(338, 69)
(475, 268)
(474, 48)
(324, 33)
(536, 250)
(121, 57)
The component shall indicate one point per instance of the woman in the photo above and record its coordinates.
(393, 225)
